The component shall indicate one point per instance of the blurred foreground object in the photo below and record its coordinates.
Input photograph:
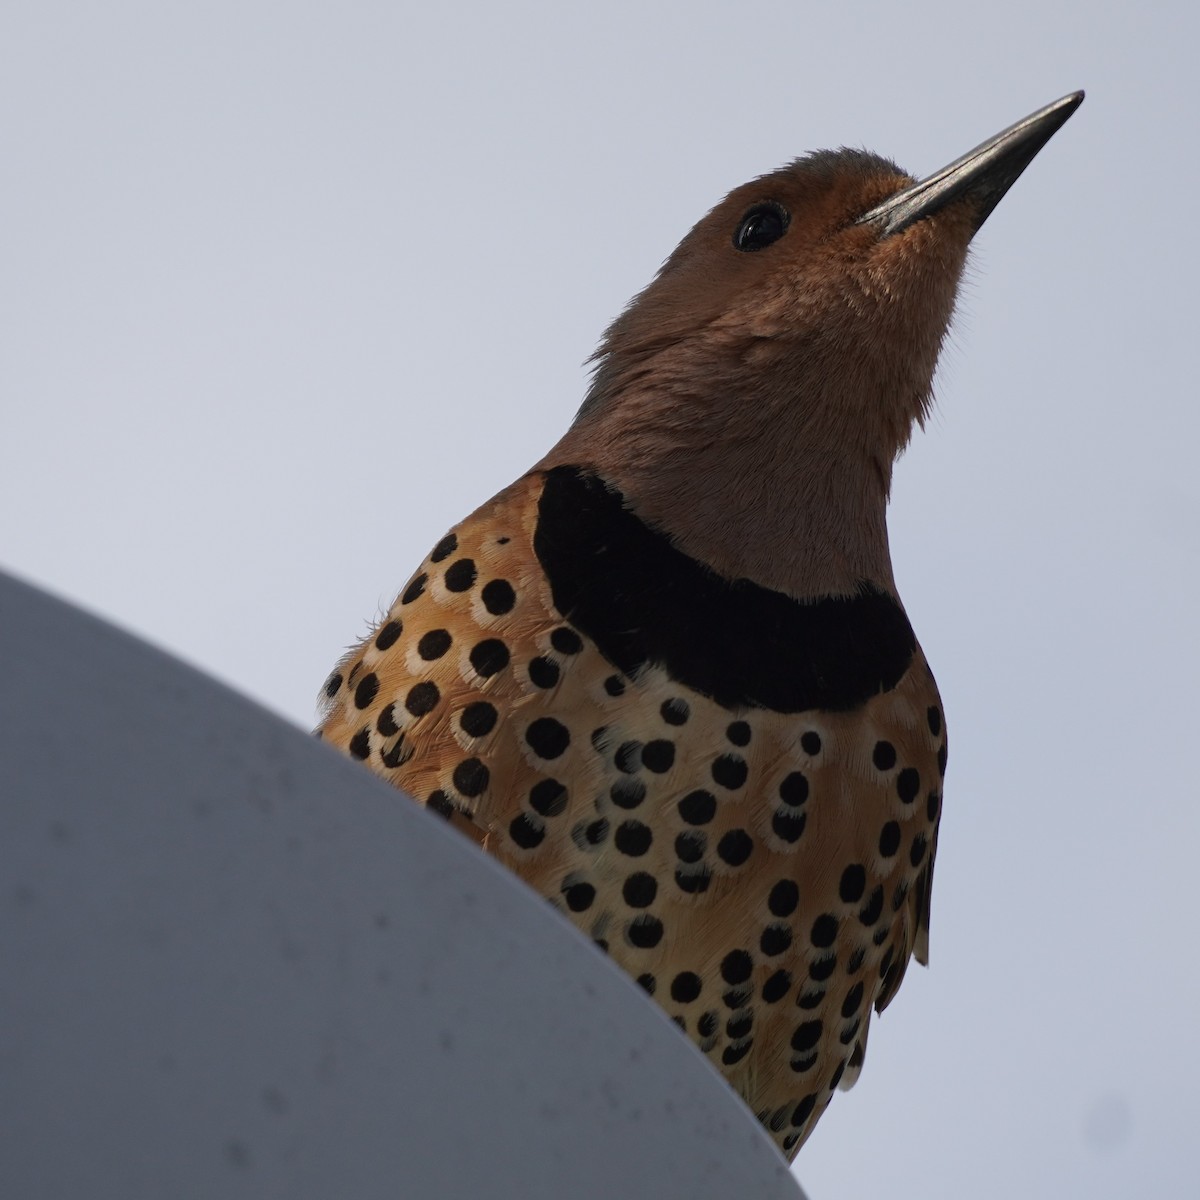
(233, 965)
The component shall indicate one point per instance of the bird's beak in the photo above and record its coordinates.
(984, 174)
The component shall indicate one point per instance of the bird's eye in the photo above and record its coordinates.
(762, 225)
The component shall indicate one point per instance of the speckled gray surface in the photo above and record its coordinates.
(235, 965)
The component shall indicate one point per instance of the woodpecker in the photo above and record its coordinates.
(665, 676)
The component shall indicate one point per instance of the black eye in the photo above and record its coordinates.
(762, 225)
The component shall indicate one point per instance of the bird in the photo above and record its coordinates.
(666, 677)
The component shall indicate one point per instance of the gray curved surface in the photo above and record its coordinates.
(233, 964)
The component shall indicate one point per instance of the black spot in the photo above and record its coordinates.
(396, 756)
(548, 798)
(932, 804)
(658, 756)
(685, 987)
(503, 541)
(387, 637)
(807, 1035)
(810, 1000)
(386, 722)
(789, 826)
(525, 832)
(738, 997)
(848, 1035)
(333, 684)
(836, 1078)
(579, 896)
(775, 940)
(856, 960)
(698, 808)
(354, 670)
(498, 597)
(489, 657)
(471, 777)
(434, 644)
(360, 743)
(693, 882)
(627, 793)
(675, 711)
(824, 931)
(779, 1119)
(804, 1109)
(735, 1054)
(460, 576)
(790, 1142)
(707, 1025)
(739, 733)
(800, 1065)
(942, 760)
(908, 784)
(614, 685)
(628, 757)
(736, 967)
(478, 719)
(784, 897)
(633, 838)
(934, 716)
(566, 641)
(444, 548)
(648, 983)
(777, 987)
(739, 1027)
(853, 884)
(642, 600)
(899, 895)
(735, 847)
(884, 756)
(414, 589)
(690, 847)
(439, 803)
(730, 771)
(821, 969)
(919, 845)
(810, 743)
(853, 1001)
(885, 963)
(547, 738)
(543, 672)
(873, 909)
(793, 791)
(599, 738)
(889, 839)
(639, 890)
(601, 944)
(596, 832)
(422, 698)
(367, 690)
(881, 934)
(644, 931)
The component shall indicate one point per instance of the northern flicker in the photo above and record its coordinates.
(665, 676)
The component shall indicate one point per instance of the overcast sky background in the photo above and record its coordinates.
(287, 289)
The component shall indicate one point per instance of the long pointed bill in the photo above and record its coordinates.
(986, 173)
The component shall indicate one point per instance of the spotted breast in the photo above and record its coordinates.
(734, 794)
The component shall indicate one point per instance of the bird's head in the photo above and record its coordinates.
(793, 334)
(782, 300)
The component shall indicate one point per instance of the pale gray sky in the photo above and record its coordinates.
(287, 289)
